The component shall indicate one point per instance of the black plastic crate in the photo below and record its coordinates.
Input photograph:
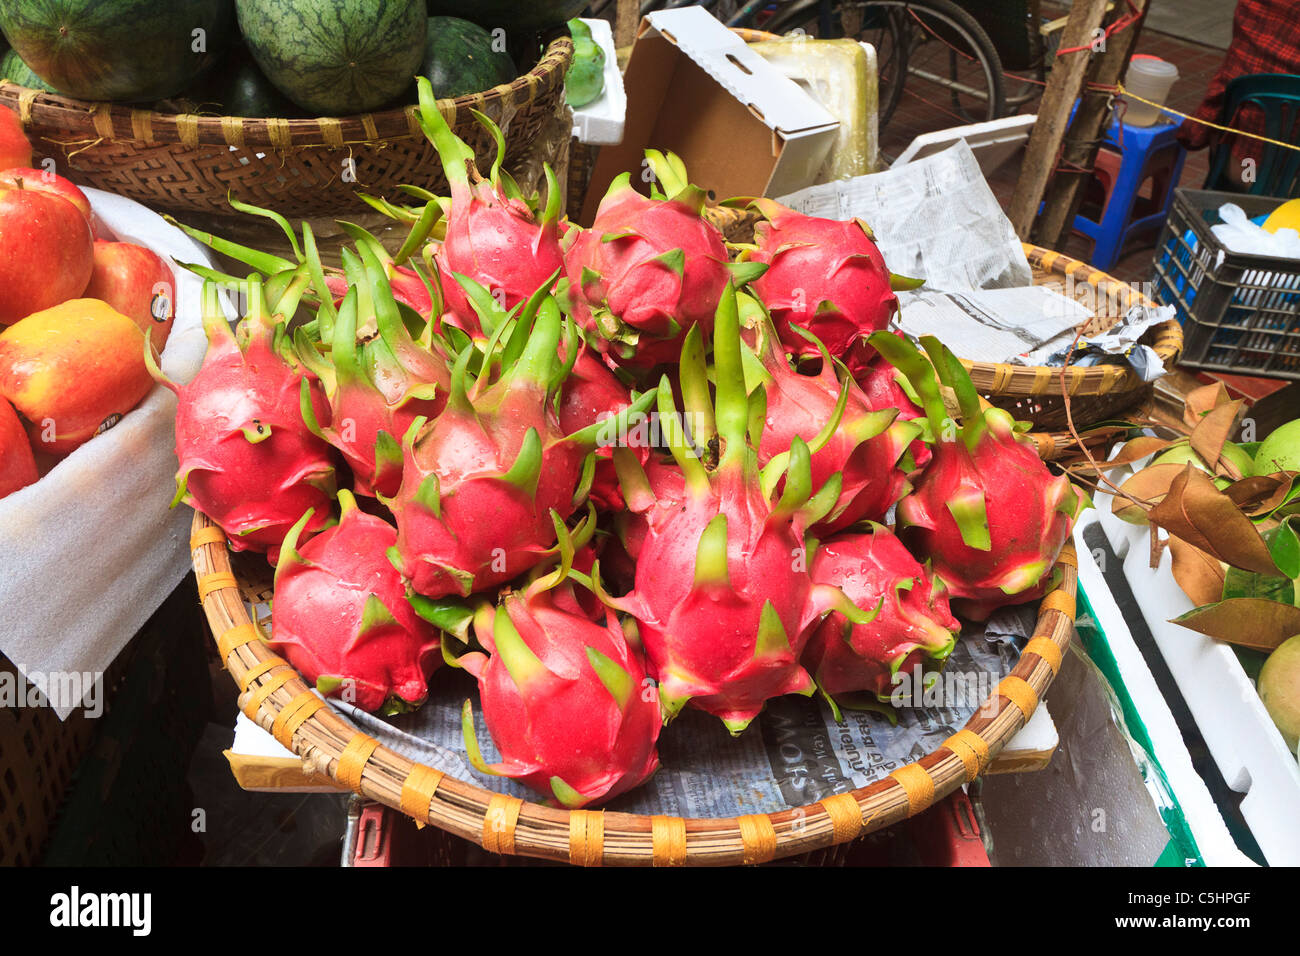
(1240, 312)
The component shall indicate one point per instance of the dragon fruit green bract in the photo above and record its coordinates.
(824, 275)
(648, 269)
(589, 395)
(723, 597)
(911, 620)
(831, 414)
(562, 695)
(885, 387)
(377, 389)
(985, 512)
(492, 236)
(340, 615)
(480, 481)
(247, 459)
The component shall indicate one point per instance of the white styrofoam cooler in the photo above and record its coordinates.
(600, 122)
(1242, 738)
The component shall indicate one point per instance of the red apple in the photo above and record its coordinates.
(138, 283)
(46, 181)
(46, 252)
(15, 150)
(17, 464)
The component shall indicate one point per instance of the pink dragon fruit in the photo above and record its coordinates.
(247, 459)
(589, 395)
(480, 481)
(824, 275)
(723, 598)
(830, 413)
(492, 235)
(563, 696)
(648, 269)
(886, 387)
(910, 620)
(378, 388)
(341, 618)
(986, 512)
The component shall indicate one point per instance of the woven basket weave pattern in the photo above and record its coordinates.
(188, 164)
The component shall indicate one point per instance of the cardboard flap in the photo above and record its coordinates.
(785, 108)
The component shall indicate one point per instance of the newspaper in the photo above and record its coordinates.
(992, 325)
(1119, 344)
(795, 753)
(934, 219)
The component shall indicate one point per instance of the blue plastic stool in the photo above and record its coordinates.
(1149, 152)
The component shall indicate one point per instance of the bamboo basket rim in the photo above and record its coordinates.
(1003, 379)
(105, 121)
(275, 697)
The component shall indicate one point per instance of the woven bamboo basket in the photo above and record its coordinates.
(187, 163)
(275, 697)
(1096, 393)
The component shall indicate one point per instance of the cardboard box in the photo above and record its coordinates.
(741, 126)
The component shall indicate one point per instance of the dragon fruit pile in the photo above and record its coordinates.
(610, 473)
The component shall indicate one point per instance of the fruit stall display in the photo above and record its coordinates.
(319, 99)
(610, 474)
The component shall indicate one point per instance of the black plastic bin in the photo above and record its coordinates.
(1240, 312)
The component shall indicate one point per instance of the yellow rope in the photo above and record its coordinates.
(353, 760)
(846, 816)
(1046, 649)
(417, 792)
(1226, 129)
(758, 837)
(668, 841)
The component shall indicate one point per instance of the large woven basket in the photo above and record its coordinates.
(187, 164)
(275, 697)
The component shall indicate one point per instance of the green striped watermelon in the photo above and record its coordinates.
(13, 68)
(511, 15)
(337, 58)
(118, 49)
(461, 57)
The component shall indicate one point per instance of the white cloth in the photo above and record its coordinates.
(91, 550)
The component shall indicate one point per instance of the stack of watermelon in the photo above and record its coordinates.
(609, 472)
(272, 57)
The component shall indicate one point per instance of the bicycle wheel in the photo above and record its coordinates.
(883, 28)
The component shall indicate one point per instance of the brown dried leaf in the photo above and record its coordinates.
(1131, 451)
(1212, 431)
(1199, 575)
(1199, 513)
(1150, 484)
(1249, 622)
(1261, 494)
(1202, 400)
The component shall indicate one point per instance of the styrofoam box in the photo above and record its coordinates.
(600, 122)
(1242, 738)
(1168, 749)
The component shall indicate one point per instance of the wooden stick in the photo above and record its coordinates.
(626, 19)
(1053, 113)
(1082, 140)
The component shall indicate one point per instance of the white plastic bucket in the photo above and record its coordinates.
(1150, 78)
